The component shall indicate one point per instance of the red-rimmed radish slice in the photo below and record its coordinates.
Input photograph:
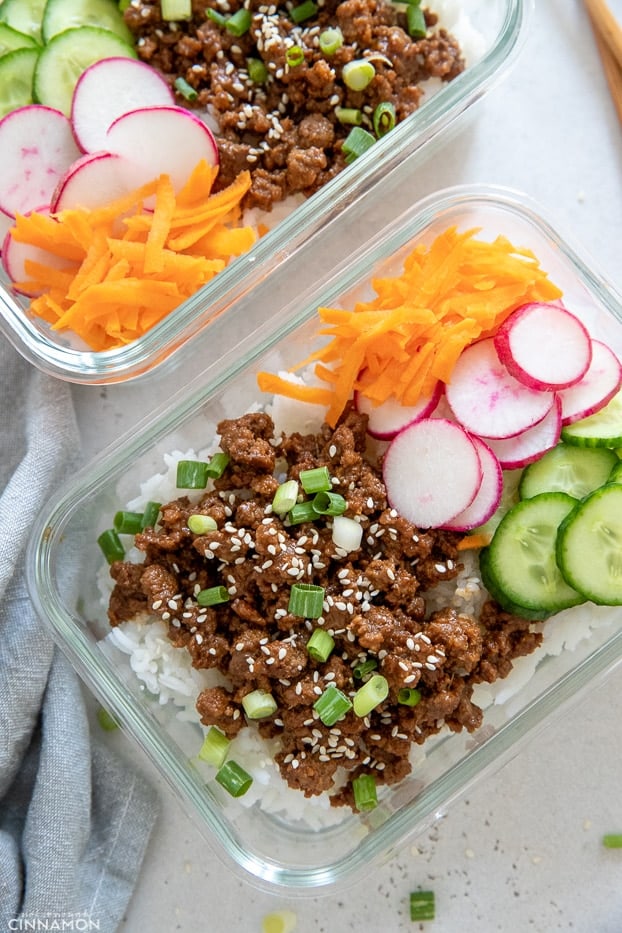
(157, 141)
(487, 400)
(93, 180)
(529, 445)
(37, 147)
(386, 420)
(15, 255)
(6, 222)
(432, 472)
(544, 346)
(488, 496)
(108, 89)
(597, 387)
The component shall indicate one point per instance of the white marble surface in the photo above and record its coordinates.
(522, 851)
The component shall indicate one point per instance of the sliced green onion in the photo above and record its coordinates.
(330, 40)
(408, 696)
(302, 512)
(347, 533)
(320, 645)
(365, 796)
(234, 778)
(370, 695)
(239, 22)
(383, 118)
(358, 73)
(217, 465)
(201, 524)
(258, 704)
(294, 56)
(415, 22)
(106, 720)
(150, 515)
(123, 5)
(257, 70)
(128, 523)
(612, 840)
(173, 10)
(186, 90)
(213, 596)
(422, 906)
(192, 474)
(349, 115)
(317, 480)
(216, 17)
(363, 668)
(110, 543)
(306, 600)
(332, 705)
(303, 11)
(356, 143)
(285, 497)
(329, 503)
(281, 921)
(215, 747)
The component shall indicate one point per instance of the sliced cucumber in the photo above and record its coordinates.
(573, 470)
(521, 566)
(60, 15)
(16, 78)
(66, 56)
(11, 39)
(616, 474)
(602, 429)
(24, 16)
(490, 582)
(589, 546)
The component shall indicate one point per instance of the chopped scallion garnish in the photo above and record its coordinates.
(363, 668)
(415, 21)
(356, 143)
(173, 10)
(408, 696)
(422, 905)
(316, 480)
(257, 70)
(365, 795)
(384, 118)
(217, 465)
(213, 596)
(370, 695)
(201, 524)
(215, 747)
(358, 73)
(306, 600)
(330, 40)
(234, 778)
(285, 497)
(128, 523)
(110, 543)
(612, 840)
(258, 704)
(191, 474)
(239, 22)
(216, 17)
(106, 720)
(303, 11)
(329, 503)
(349, 115)
(186, 90)
(332, 705)
(347, 533)
(150, 515)
(320, 645)
(294, 56)
(302, 512)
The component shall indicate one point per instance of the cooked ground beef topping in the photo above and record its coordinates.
(285, 128)
(381, 603)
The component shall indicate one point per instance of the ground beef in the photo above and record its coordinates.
(286, 129)
(381, 605)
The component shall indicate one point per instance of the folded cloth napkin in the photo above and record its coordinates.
(74, 820)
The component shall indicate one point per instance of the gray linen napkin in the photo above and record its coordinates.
(74, 821)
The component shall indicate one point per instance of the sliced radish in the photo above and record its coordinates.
(544, 346)
(15, 255)
(108, 89)
(93, 180)
(488, 496)
(432, 472)
(487, 400)
(37, 148)
(160, 140)
(529, 445)
(386, 420)
(597, 387)
(6, 222)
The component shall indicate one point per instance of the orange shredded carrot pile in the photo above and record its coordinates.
(129, 264)
(449, 294)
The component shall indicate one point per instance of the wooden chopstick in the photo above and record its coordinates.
(608, 36)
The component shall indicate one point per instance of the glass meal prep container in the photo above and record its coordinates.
(499, 26)
(65, 566)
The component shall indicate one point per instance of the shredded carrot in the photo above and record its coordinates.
(130, 263)
(474, 542)
(455, 291)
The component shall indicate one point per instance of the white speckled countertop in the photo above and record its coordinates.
(522, 851)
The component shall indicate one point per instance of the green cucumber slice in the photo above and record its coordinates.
(576, 471)
(490, 583)
(602, 429)
(24, 16)
(616, 474)
(60, 15)
(11, 39)
(521, 564)
(66, 56)
(589, 546)
(16, 77)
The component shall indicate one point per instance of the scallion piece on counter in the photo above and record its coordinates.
(364, 789)
(110, 543)
(128, 523)
(106, 720)
(422, 905)
(306, 600)
(201, 524)
(370, 695)
(358, 73)
(383, 118)
(415, 21)
(215, 747)
(363, 668)
(316, 480)
(257, 70)
(285, 497)
(235, 780)
(216, 17)
(612, 841)
(320, 645)
(150, 515)
(347, 533)
(258, 704)
(408, 696)
(302, 512)
(303, 11)
(294, 56)
(281, 921)
(329, 503)
(356, 143)
(330, 40)
(349, 115)
(191, 474)
(186, 90)
(217, 465)
(173, 10)
(239, 22)
(332, 705)
(213, 596)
